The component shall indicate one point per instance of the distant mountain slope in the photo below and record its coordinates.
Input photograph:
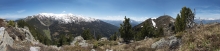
(118, 22)
(204, 21)
(52, 25)
(165, 21)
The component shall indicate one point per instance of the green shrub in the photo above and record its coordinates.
(11, 23)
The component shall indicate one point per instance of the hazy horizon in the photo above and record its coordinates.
(138, 10)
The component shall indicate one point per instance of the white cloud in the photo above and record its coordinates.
(122, 18)
(21, 11)
(63, 11)
(208, 14)
(208, 11)
(11, 16)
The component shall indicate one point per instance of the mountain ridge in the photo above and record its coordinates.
(64, 18)
(53, 25)
(118, 22)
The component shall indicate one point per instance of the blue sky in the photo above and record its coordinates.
(109, 9)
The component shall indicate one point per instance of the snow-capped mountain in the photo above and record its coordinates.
(53, 25)
(65, 18)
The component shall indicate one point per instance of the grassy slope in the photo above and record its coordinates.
(47, 32)
(201, 38)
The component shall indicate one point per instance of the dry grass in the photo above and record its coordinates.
(143, 45)
(75, 48)
(204, 38)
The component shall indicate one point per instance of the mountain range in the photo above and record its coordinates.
(206, 21)
(118, 22)
(53, 25)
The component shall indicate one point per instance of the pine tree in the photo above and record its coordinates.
(149, 31)
(159, 32)
(87, 35)
(70, 38)
(98, 37)
(184, 20)
(178, 23)
(126, 30)
(144, 31)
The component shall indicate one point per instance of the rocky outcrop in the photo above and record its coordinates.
(5, 39)
(79, 41)
(159, 44)
(108, 50)
(28, 35)
(103, 39)
(172, 41)
(15, 39)
(34, 48)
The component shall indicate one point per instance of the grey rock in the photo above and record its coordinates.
(159, 44)
(93, 50)
(29, 36)
(34, 48)
(83, 43)
(121, 40)
(103, 39)
(5, 39)
(145, 38)
(172, 41)
(80, 41)
(108, 50)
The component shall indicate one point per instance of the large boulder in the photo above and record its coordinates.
(29, 36)
(172, 41)
(34, 48)
(103, 39)
(159, 44)
(79, 41)
(5, 39)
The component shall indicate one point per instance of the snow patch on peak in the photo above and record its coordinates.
(154, 24)
(66, 18)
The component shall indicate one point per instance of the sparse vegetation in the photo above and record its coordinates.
(37, 35)
(98, 37)
(11, 23)
(205, 38)
(21, 23)
(47, 32)
(114, 36)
